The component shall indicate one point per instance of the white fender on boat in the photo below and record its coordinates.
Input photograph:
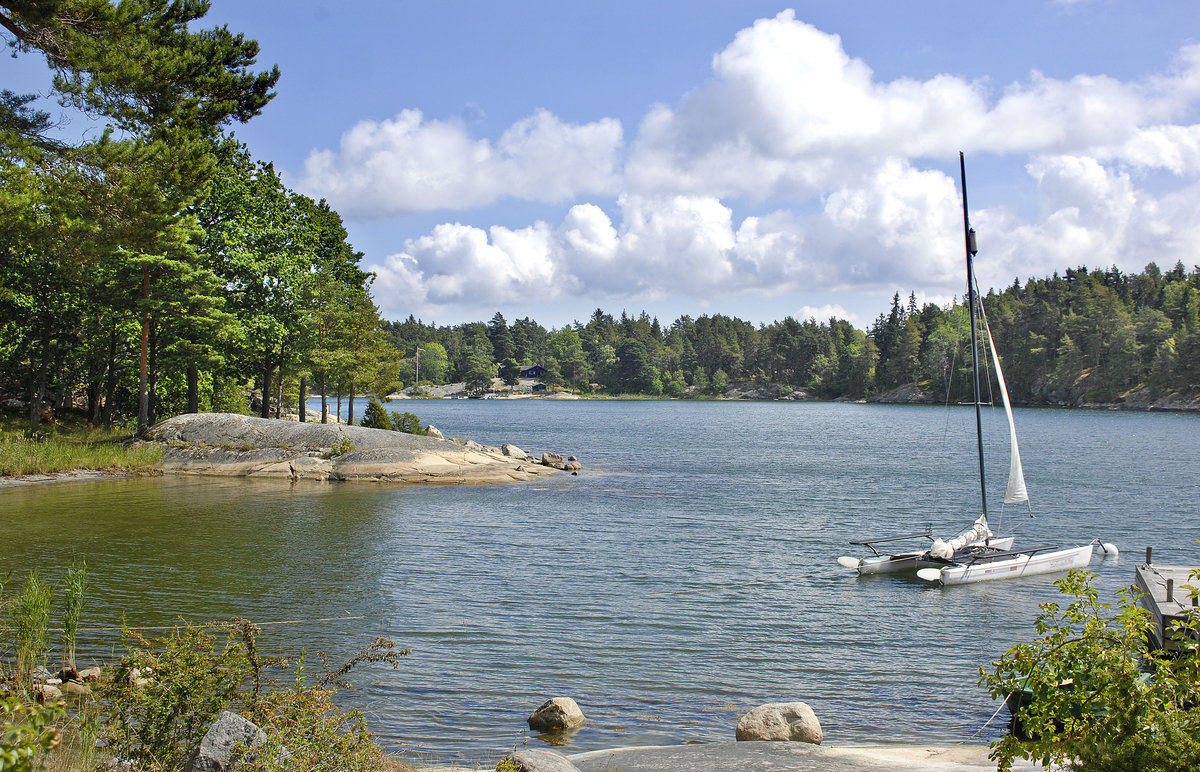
(930, 574)
(1110, 550)
(848, 562)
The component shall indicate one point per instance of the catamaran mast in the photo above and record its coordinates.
(969, 236)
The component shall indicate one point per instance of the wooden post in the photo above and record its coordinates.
(1170, 590)
(1148, 556)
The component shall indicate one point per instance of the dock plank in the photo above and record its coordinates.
(1152, 580)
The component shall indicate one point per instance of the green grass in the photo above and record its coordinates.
(69, 445)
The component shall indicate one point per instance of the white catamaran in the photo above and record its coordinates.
(976, 554)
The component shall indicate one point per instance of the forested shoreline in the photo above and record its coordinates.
(1082, 337)
(306, 318)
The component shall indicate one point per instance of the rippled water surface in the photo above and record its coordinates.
(687, 575)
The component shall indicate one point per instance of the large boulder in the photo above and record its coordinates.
(793, 721)
(538, 760)
(226, 444)
(512, 451)
(553, 460)
(216, 751)
(555, 715)
(47, 693)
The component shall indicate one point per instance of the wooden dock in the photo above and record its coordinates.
(1168, 597)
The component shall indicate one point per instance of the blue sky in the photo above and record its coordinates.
(757, 159)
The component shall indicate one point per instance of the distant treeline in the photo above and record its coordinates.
(1085, 334)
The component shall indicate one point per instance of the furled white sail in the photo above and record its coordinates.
(1016, 491)
(978, 532)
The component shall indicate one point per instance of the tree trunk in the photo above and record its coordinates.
(339, 402)
(38, 393)
(110, 387)
(303, 406)
(93, 402)
(324, 401)
(279, 394)
(350, 406)
(143, 421)
(152, 376)
(143, 393)
(193, 387)
(38, 390)
(264, 410)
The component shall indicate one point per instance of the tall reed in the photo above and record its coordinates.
(20, 456)
(73, 592)
(30, 621)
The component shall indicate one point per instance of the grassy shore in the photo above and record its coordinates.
(67, 445)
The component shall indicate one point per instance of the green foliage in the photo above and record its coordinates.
(341, 447)
(229, 396)
(306, 730)
(408, 423)
(375, 417)
(30, 616)
(19, 456)
(74, 591)
(196, 672)
(26, 734)
(1097, 699)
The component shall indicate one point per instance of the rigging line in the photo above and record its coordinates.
(1003, 703)
(176, 627)
(706, 589)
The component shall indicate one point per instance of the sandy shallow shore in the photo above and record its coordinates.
(75, 475)
(782, 757)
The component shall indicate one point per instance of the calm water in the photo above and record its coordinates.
(687, 575)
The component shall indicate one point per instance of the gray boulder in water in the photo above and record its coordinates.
(793, 721)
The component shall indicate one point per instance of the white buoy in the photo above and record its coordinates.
(1110, 549)
(849, 562)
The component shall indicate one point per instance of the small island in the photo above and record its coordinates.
(229, 444)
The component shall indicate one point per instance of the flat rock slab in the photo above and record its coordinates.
(792, 757)
(236, 445)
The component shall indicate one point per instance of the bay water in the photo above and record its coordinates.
(685, 576)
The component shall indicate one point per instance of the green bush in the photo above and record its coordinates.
(194, 673)
(306, 730)
(26, 733)
(341, 448)
(375, 417)
(408, 423)
(1098, 699)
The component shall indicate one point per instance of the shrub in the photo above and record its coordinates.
(375, 417)
(408, 423)
(1098, 699)
(195, 672)
(306, 730)
(341, 448)
(26, 733)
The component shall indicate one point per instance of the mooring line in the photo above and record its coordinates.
(705, 589)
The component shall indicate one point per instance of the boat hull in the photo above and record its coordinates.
(914, 561)
(1017, 566)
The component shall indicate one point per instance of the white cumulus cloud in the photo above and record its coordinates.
(412, 164)
(851, 165)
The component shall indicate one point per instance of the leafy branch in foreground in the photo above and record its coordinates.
(1093, 696)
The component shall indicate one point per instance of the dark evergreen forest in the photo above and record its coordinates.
(1083, 336)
